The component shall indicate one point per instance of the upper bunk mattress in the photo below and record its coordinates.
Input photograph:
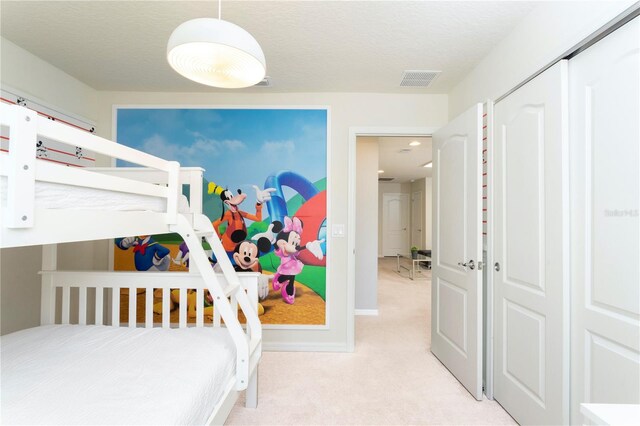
(58, 196)
(72, 374)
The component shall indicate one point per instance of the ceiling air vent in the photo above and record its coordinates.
(266, 82)
(385, 179)
(418, 78)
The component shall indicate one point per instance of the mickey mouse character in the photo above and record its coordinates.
(246, 253)
(287, 248)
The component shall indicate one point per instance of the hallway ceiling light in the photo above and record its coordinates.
(380, 171)
(429, 164)
(414, 143)
(216, 53)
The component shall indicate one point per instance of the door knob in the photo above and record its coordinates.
(496, 267)
(471, 264)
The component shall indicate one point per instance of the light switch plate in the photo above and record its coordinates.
(337, 231)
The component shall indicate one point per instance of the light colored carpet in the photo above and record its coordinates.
(390, 379)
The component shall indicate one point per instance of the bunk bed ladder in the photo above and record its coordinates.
(245, 361)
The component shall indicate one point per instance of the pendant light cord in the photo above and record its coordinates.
(220, 10)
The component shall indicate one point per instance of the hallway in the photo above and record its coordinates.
(391, 378)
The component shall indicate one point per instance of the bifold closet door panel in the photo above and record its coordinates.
(456, 292)
(605, 167)
(530, 273)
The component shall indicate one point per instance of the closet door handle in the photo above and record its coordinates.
(471, 264)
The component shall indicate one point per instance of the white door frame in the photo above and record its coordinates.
(354, 132)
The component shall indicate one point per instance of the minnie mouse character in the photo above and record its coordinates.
(287, 248)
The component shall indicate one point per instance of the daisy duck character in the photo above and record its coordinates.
(287, 248)
(183, 255)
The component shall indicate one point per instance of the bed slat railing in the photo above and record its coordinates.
(82, 306)
(183, 312)
(115, 305)
(78, 297)
(66, 299)
(200, 312)
(148, 309)
(133, 304)
(98, 305)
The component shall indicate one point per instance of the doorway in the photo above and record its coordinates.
(368, 254)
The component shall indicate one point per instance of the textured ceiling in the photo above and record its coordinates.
(400, 164)
(318, 46)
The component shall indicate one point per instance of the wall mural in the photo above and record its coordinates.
(264, 191)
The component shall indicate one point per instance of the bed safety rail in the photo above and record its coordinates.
(22, 169)
(93, 297)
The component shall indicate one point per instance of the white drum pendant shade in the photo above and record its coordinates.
(216, 53)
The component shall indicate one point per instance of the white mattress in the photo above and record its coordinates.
(58, 196)
(71, 374)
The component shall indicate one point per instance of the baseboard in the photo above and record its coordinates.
(304, 347)
(367, 312)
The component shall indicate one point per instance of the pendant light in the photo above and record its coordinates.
(216, 53)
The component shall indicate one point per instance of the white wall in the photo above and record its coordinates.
(546, 33)
(19, 282)
(346, 110)
(31, 76)
(366, 291)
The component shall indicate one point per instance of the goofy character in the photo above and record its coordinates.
(287, 248)
(234, 217)
(148, 255)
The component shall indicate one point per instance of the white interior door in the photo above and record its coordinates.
(417, 220)
(456, 292)
(530, 274)
(395, 224)
(605, 330)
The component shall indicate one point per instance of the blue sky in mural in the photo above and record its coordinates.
(243, 145)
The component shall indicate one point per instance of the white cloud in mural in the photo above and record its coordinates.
(193, 152)
(277, 149)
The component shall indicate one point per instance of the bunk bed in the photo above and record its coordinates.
(82, 365)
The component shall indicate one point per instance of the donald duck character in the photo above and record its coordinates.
(148, 255)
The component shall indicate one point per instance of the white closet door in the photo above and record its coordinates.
(456, 292)
(531, 283)
(605, 152)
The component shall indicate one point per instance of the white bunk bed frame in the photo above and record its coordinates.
(22, 223)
